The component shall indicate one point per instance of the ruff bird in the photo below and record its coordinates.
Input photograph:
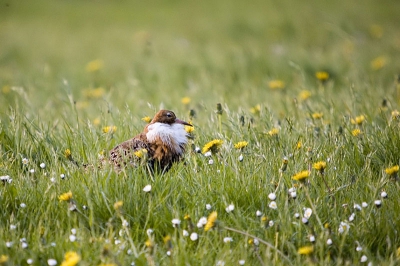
(162, 142)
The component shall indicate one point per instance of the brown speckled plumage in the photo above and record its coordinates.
(164, 139)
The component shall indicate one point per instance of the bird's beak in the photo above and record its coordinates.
(182, 122)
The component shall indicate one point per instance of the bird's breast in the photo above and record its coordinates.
(173, 137)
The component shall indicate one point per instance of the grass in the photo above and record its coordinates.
(259, 61)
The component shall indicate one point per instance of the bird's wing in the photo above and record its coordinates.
(123, 154)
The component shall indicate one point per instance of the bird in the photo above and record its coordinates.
(162, 142)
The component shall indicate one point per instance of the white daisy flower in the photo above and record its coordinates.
(72, 238)
(185, 233)
(378, 203)
(312, 238)
(357, 207)
(42, 165)
(352, 216)
(197, 149)
(73, 231)
(147, 188)
(32, 170)
(168, 253)
(359, 248)
(176, 222)
(241, 158)
(304, 220)
(202, 222)
(343, 227)
(51, 262)
(329, 242)
(22, 205)
(293, 194)
(13, 227)
(364, 204)
(228, 239)
(194, 236)
(25, 161)
(208, 206)
(9, 244)
(271, 223)
(363, 258)
(242, 262)
(273, 205)
(307, 213)
(29, 261)
(208, 154)
(258, 213)
(230, 208)
(384, 194)
(211, 161)
(272, 196)
(296, 215)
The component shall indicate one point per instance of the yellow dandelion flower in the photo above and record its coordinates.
(140, 153)
(6, 89)
(71, 259)
(395, 114)
(306, 250)
(326, 225)
(358, 120)
(317, 115)
(118, 205)
(3, 258)
(211, 221)
(378, 63)
(189, 129)
(251, 241)
(322, 75)
(213, 146)
(276, 84)
(95, 65)
(186, 217)
(96, 121)
(146, 119)
(273, 131)
(356, 132)
(264, 218)
(94, 93)
(304, 95)
(167, 239)
(65, 196)
(110, 129)
(301, 176)
(320, 166)
(149, 243)
(256, 109)
(392, 170)
(240, 145)
(185, 100)
(67, 153)
(299, 145)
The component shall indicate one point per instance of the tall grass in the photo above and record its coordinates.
(66, 76)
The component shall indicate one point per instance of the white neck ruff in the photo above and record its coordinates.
(174, 136)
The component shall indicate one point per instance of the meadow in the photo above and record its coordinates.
(298, 103)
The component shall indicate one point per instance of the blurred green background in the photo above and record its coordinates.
(211, 51)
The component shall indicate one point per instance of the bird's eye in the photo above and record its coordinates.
(169, 115)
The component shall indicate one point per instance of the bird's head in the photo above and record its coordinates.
(167, 117)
